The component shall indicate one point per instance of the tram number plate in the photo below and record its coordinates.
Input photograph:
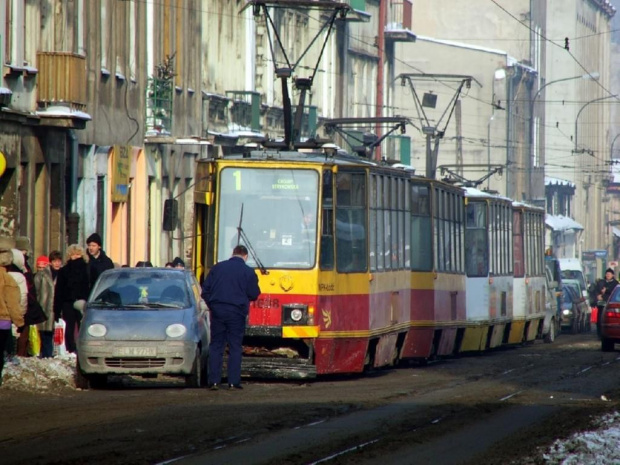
(135, 352)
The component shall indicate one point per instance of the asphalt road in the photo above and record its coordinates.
(497, 407)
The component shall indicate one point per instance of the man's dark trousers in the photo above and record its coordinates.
(227, 326)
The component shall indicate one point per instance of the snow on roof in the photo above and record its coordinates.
(473, 192)
(562, 223)
(403, 166)
(615, 172)
(63, 112)
(549, 181)
(462, 45)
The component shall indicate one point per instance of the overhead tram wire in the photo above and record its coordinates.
(201, 10)
(563, 47)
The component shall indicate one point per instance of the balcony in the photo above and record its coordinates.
(61, 80)
(398, 27)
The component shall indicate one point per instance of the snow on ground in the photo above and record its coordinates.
(30, 374)
(599, 446)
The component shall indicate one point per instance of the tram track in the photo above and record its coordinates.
(526, 394)
(496, 401)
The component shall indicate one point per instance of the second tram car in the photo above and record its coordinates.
(362, 265)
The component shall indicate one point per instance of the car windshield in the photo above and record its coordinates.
(615, 295)
(137, 289)
(574, 287)
(567, 295)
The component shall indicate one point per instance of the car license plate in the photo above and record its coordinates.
(135, 352)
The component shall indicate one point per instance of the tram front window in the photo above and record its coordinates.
(277, 210)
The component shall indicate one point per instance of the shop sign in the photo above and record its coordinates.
(120, 172)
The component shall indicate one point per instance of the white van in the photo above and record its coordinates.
(571, 269)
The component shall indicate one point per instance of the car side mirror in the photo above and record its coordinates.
(80, 305)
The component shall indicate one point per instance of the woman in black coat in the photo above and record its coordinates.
(73, 283)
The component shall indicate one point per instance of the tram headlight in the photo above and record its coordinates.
(567, 312)
(296, 315)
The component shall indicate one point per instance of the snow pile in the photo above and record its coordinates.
(599, 446)
(32, 374)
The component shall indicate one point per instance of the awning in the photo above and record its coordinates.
(562, 223)
(615, 231)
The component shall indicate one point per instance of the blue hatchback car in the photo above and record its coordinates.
(143, 321)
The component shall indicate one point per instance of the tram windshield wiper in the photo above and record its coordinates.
(241, 235)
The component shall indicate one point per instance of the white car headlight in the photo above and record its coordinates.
(175, 330)
(567, 312)
(296, 314)
(97, 330)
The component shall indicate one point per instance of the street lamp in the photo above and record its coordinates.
(611, 150)
(588, 76)
(579, 113)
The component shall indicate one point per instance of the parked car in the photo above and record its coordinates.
(573, 269)
(575, 309)
(553, 303)
(610, 322)
(143, 321)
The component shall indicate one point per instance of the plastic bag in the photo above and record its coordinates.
(34, 341)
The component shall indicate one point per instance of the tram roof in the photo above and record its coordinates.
(472, 192)
(315, 157)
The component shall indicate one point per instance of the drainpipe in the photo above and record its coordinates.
(73, 218)
(381, 57)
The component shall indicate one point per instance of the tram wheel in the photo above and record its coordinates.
(550, 336)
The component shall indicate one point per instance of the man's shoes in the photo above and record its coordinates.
(213, 386)
(235, 386)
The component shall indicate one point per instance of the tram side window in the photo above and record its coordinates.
(372, 224)
(447, 231)
(379, 225)
(420, 229)
(476, 240)
(351, 201)
(520, 264)
(326, 260)
(387, 230)
(407, 225)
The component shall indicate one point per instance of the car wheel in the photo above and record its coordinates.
(193, 379)
(98, 381)
(81, 380)
(607, 345)
(204, 372)
(582, 323)
(550, 336)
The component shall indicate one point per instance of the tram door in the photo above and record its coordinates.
(204, 216)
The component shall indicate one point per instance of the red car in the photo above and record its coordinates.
(610, 322)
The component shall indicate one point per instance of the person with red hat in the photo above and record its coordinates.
(44, 284)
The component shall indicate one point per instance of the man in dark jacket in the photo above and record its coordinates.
(604, 292)
(71, 285)
(98, 261)
(228, 290)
